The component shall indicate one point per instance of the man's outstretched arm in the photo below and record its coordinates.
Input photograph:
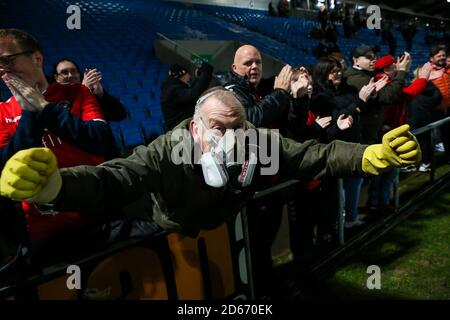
(337, 159)
(33, 175)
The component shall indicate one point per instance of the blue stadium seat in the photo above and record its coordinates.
(138, 114)
(151, 130)
(132, 137)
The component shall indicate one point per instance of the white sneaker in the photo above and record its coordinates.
(425, 167)
(410, 168)
(356, 223)
(439, 147)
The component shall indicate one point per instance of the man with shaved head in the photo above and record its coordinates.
(262, 109)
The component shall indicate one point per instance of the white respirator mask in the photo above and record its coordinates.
(228, 161)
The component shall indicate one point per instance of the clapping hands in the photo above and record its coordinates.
(29, 98)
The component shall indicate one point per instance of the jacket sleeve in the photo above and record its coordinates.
(111, 107)
(415, 88)
(267, 110)
(298, 115)
(93, 136)
(392, 92)
(28, 135)
(353, 108)
(316, 132)
(96, 189)
(322, 103)
(310, 160)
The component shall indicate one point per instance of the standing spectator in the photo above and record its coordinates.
(179, 93)
(441, 79)
(263, 108)
(333, 97)
(372, 117)
(422, 111)
(359, 75)
(67, 71)
(357, 21)
(395, 114)
(323, 16)
(408, 33)
(272, 11)
(283, 8)
(437, 61)
(65, 118)
(348, 24)
(330, 34)
(381, 186)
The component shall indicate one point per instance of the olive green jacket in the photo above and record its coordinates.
(181, 200)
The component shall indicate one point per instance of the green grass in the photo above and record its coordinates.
(414, 259)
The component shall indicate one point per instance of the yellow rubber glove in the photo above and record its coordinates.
(31, 174)
(398, 148)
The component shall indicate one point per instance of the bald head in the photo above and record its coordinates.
(248, 63)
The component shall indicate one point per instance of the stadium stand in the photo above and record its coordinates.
(118, 37)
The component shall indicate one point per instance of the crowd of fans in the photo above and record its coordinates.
(324, 102)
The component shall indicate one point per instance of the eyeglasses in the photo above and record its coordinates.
(9, 59)
(370, 57)
(66, 72)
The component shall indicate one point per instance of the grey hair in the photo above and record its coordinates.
(225, 96)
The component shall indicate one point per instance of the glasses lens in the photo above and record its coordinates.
(7, 60)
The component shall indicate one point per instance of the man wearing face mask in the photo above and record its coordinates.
(188, 194)
(179, 92)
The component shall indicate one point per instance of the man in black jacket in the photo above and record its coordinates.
(360, 74)
(179, 93)
(263, 109)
